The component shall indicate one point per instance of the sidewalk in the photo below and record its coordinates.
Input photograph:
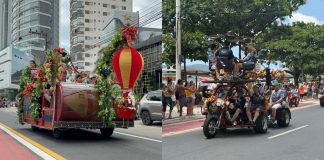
(197, 113)
(176, 118)
(12, 150)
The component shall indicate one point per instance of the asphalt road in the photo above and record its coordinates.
(302, 140)
(138, 143)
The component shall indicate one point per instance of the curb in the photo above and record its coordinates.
(182, 119)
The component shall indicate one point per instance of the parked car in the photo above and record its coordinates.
(150, 108)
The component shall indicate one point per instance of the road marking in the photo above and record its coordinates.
(288, 132)
(181, 132)
(145, 138)
(37, 148)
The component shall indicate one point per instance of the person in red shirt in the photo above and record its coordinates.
(301, 92)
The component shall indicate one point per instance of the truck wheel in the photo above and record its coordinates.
(146, 118)
(210, 127)
(34, 128)
(284, 119)
(107, 132)
(261, 124)
(57, 133)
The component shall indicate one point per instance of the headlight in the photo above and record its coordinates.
(219, 102)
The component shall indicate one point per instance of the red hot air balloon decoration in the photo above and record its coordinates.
(127, 64)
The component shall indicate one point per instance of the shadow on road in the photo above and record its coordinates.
(74, 135)
(239, 133)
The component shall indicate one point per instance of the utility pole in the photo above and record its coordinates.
(178, 40)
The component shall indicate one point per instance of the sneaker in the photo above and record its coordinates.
(234, 123)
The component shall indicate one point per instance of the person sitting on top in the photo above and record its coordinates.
(78, 79)
(249, 61)
(225, 57)
(93, 79)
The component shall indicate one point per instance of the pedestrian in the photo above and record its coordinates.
(313, 91)
(164, 104)
(191, 90)
(301, 92)
(182, 95)
(168, 96)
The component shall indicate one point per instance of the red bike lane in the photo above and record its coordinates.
(183, 127)
(13, 150)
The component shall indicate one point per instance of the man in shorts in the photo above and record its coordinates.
(277, 98)
(236, 106)
(257, 103)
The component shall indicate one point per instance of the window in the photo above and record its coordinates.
(87, 12)
(87, 3)
(87, 29)
(105, 13)
(123, 8)
(123, 0)
(104, 5)
(87, 20)
(113, 6)
(154, 97)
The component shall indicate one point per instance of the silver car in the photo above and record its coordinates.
(150, 108)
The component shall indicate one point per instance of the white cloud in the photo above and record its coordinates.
(65, 24)
(299, 17)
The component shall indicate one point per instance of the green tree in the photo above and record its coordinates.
(299, 46)
(211, 17)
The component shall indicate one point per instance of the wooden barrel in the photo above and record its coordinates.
(76, 102)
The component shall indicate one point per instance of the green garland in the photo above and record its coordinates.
(105, 83)
(24, 80)
(36, 93)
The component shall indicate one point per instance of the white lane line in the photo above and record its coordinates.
(36, 150)
(288, 132)
(145, 138)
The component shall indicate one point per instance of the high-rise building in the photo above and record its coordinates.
(5, 23)
(35, 26)
(87, 19)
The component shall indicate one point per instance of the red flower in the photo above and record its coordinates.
(59, 50)
(28, 89)
(129, 33)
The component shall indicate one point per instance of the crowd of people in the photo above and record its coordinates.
(69, 74)
(181, 95)
(4, 102)
(184, 94)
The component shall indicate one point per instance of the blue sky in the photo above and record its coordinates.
(312, 11)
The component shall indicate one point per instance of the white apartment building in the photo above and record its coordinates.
(87, 19)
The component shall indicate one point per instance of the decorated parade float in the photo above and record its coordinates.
(46, 101)
(221, 99)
